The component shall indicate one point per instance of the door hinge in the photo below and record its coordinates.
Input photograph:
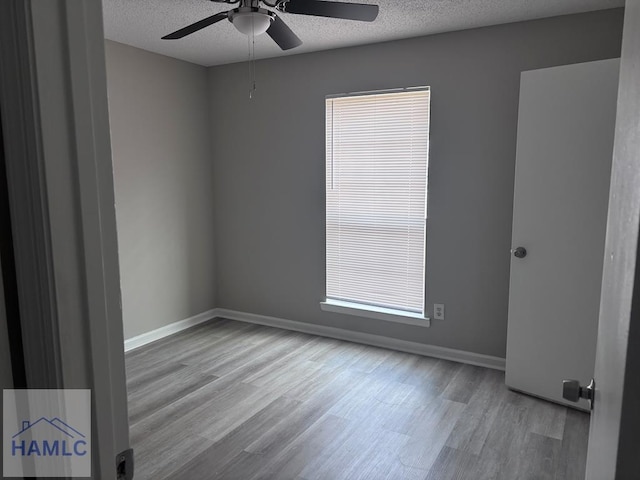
(124, 465)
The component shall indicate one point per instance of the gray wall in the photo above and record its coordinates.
(160, 131)
(269, 169)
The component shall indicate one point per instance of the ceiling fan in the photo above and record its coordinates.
(250, 19)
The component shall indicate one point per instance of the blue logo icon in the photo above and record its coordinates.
(61, 439)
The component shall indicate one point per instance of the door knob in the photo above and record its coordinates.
(573, 391)
(519, 252)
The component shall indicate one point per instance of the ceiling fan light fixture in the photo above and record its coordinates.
(252, 21)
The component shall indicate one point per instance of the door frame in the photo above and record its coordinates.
(12, 371)
(614, 440)
(60, 177)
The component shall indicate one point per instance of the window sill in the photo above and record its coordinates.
(377, 313)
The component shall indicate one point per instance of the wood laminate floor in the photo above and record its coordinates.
(230, 400)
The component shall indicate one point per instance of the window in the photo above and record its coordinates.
(376, 174)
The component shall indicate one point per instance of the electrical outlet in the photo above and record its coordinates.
(438, 311)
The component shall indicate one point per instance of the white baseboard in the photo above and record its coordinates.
(167, 330)
(461, 356)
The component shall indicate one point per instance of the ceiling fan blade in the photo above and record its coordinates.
(349, 11)
(194, 27)
(282, 34)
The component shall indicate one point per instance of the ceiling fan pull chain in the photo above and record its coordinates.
(252, 62)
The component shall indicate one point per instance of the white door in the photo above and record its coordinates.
(563, 163)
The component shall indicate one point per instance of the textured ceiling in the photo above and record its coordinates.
(141, 23)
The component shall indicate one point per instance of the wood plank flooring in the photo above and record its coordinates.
(230, 400)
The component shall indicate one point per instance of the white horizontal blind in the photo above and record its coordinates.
(377, 158)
